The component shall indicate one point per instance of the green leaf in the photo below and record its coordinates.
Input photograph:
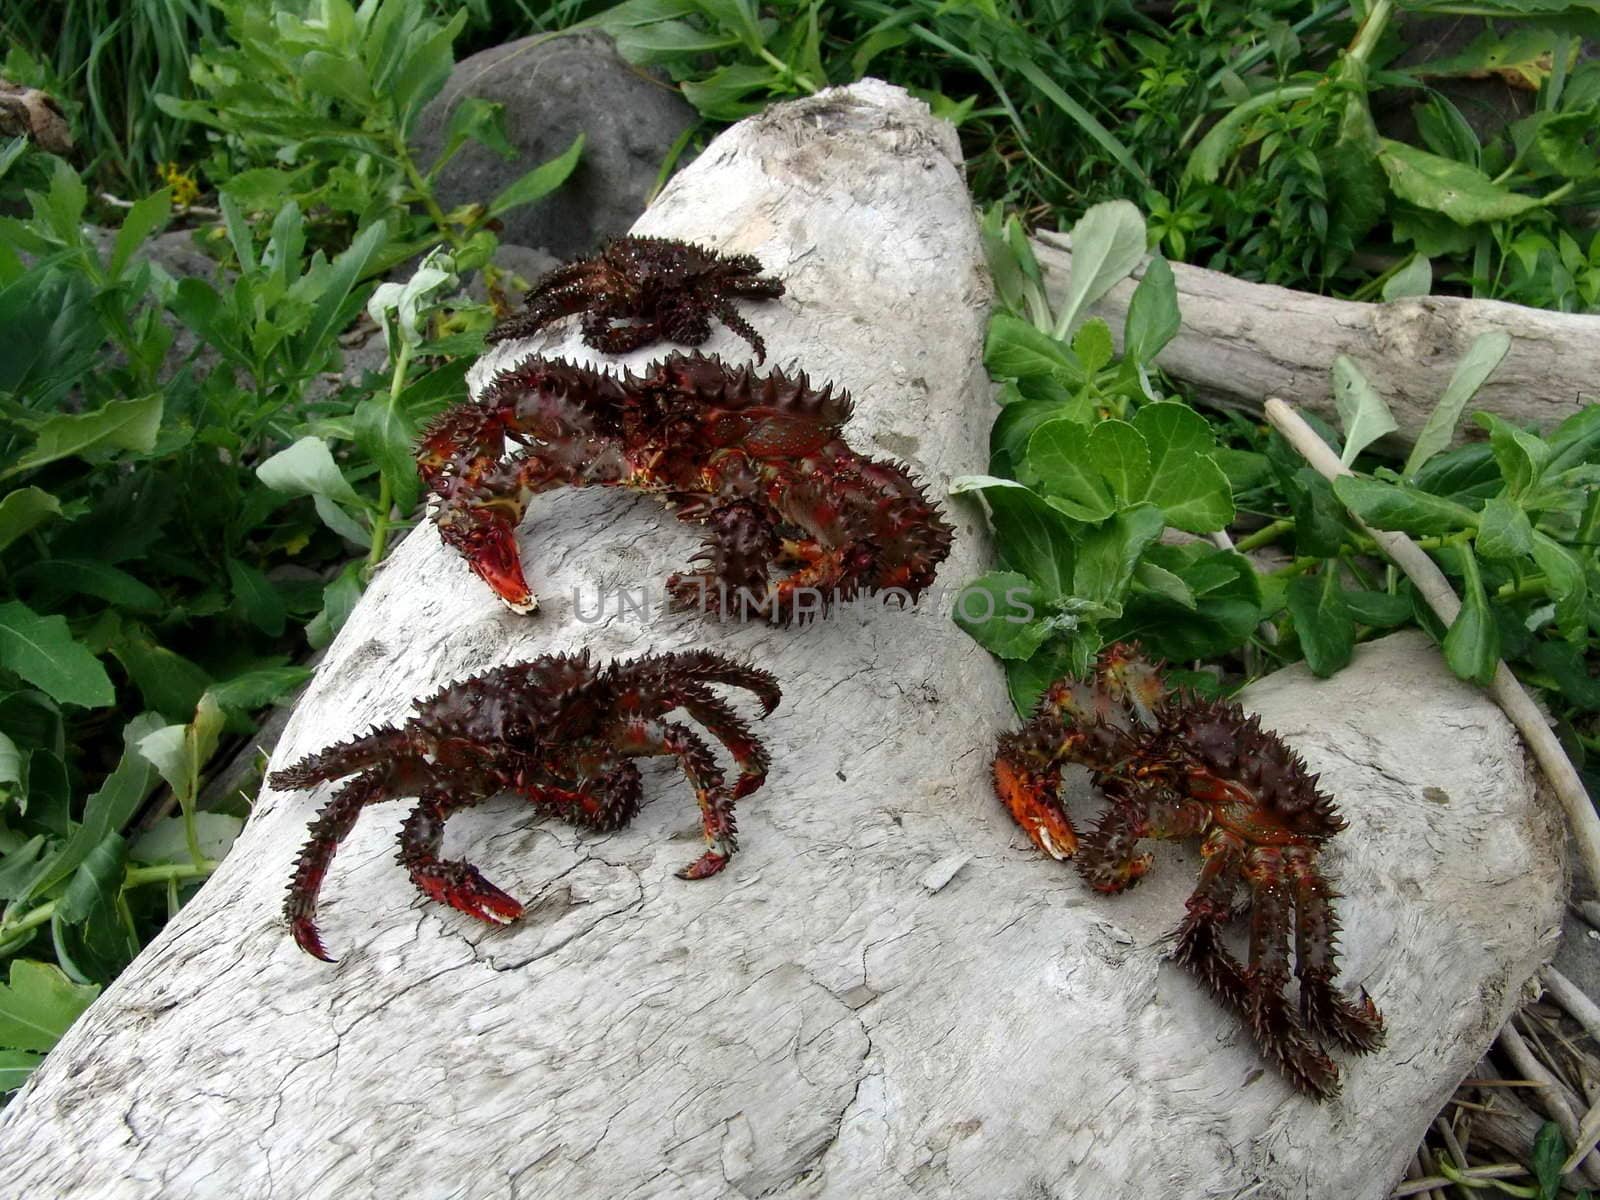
(1472, 644)
(1222, 140)
(1319, 528)
(1171, 428)
(1014, 349)
(1549, 1153)
(169, 683)
(25, 509)
(338, 601)
(1378, 610)
(333, 288)
(166, 841)
(386, 435)
(1031, 537)
(540, 181)
(1504, 531)
(1021, 61)
(1226, 604)
(1193, 492)
(96, 882)
(307, 469)
(1027, 679)
(1362, 413)
(107, 811)
(39, 1005)
(43, 651)
(337, 77)
(1005, 613)
(1521, 455)
(1560, 566)
(251, 690)
(178, 752)
(146, 217)
(1153, 319)
(1567, 141)
(56, 578)
(1475, 367)
(1165, 584)
(1415, 278)
(1092, 344)
(1399, 506)
(1461, 192)
(1119, 452)
(1057, 465)
(1109, 553)
(1108, 242)
(256, 599)
(1326, 629)
(120, 425)
(17, 1065)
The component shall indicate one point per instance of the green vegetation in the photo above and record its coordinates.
(192, 506)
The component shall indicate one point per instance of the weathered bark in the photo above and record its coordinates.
(888, 993)
(1243, 342)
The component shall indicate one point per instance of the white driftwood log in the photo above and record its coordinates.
(888, 993)
(1242, 342)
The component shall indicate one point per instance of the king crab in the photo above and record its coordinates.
(671, 288)
(758, 460)
(1175, 766)
(560, 731)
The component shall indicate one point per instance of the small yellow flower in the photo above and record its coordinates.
(185, 188)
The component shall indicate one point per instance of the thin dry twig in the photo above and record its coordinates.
(1553, 1095)
(1430, 581)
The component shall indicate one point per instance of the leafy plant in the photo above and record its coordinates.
(1090, 463)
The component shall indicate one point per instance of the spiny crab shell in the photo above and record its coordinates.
(1174, 765)
(758, 460)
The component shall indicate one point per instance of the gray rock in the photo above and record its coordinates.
(553, 90)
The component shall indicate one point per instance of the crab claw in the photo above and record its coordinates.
(704, 867)
(308, 939)
(467, 890)
(1041, 818)
(494, 558)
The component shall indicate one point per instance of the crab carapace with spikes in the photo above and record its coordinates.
(669, 289)
(758, 460)
(1173, 765)
(558, 730)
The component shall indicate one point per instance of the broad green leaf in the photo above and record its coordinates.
(1031, 537)
(1560, 567)
(1119, 452)
(19, 866)
(1319, 527)
(1549, 1154)
(1027, 679)
(12, 770)
(1472, 644)
(1193, 493)
(1504, 531)
(1413, 279)
(1325, 627)
(254, 689)
(23, 510)
(1109, 553)
(56, 578)
(1014, 349)
(1521, 455)
(1153, 319)
(540, 181)
(43, 651)
(17, 1065)
(338, 601)
(1379, 610)
(39, 1004)
(96, 881)
(1005, 613)
(256, 600)
(147, 216)
(1397, 506)
(1362, 412)
(1092, 344)
(1475, 367)
(1108, 242)
(307, 469)
(1158, 581)
(168, 682)
(1461, 192)
(337, 77)
(1170, 428)
(333, 289)
(119, 425)
(1567, 141)
(386, 435)
(1226, 607)
(107, 811)
(1222, 140)
(166, 842)
(1057, 465)
(724, 94)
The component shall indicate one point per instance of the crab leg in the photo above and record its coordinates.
(1356, 1025)
(1108, 857)
(704, 776)
(699, 666)
(731, 317)
(330, 827)
(600, 332)
(740, 542)
(728, 728)
(378, 745)
(456, 883)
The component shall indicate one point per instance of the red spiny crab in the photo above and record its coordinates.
(558, 730)
(671, 288)
(1172, 765)
(758, 460)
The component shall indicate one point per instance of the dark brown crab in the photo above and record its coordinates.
(1172, 765)
(671, 289)
(560, 731)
